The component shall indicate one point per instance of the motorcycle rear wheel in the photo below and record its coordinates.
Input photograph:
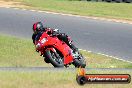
(79, 62)
(56, 62)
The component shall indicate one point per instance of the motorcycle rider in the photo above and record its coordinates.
(38, 30)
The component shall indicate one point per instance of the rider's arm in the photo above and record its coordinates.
(38, 36)
(33, 38)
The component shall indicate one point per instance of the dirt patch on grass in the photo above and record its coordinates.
(11, 3)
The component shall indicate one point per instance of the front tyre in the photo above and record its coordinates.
(54, 60)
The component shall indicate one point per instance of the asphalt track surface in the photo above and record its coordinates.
(98, 36)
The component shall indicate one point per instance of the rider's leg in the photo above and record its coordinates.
(65, 38)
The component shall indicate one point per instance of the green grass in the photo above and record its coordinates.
(17, 52)
(53, 79)
(98, 9)
(99, 61)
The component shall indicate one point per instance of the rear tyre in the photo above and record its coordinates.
(79, 62)
(54, 60)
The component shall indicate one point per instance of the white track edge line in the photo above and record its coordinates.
(108, 56)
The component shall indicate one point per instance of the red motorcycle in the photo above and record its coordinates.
(57, 52)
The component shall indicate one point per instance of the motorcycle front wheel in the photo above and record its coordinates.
(54, 60)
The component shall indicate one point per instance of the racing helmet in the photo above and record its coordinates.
(38, 26)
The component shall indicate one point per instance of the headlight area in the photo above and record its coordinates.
(43, 40)
(40, 43)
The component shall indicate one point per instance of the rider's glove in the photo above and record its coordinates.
(55, 32)
(37, 51)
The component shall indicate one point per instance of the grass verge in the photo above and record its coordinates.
(56, 79)
(97, 9)
(17, 52)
